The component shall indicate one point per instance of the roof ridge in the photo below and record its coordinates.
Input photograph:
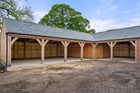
(47, 26)
(69, 30)
(111, 30)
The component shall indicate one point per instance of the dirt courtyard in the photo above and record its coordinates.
(76, 77)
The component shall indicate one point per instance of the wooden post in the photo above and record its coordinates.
(42, 51)
(10, 43)
(135, 46)
(94, 50)
(9, 51)
(82, 49)
(111, 44)
(65, 44)
(42, 43)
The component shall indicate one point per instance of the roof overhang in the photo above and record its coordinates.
(19, 35)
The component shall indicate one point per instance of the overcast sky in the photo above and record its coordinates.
(102, 14)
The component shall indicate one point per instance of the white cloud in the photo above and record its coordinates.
(103, 25)
(39, 14)
(113, 7)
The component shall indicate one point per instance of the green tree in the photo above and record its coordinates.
(91, 31)
(11, 9)
(63, 16)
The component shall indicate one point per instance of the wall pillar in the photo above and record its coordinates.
(136, 51)
(65, 44)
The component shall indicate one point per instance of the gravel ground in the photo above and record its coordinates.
(77, 77)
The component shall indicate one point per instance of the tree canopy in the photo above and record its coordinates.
(11, 9)
(63, 16)
(91, 31)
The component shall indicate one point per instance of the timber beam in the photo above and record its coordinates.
(133, 43)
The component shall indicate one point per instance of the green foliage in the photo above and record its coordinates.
(63, 16)
(91, 31)
(11, 9)
(0, 24)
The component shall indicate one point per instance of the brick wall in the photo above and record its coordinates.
(138, 51)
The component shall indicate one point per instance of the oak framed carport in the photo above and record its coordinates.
(111, 49)
(75, 44)
(43, 41)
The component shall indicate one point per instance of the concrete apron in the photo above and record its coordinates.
(26, 64)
